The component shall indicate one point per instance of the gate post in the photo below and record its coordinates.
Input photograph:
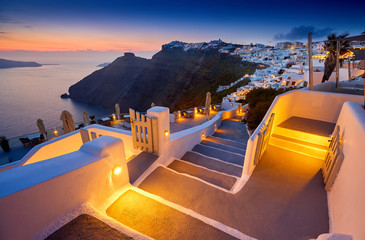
(160, 127)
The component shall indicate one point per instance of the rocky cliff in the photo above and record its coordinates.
(177, 77)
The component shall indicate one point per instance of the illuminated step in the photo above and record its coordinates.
(159, 221)
(306, 130)
(295, 145)
(214, 177)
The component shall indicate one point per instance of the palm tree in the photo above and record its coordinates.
(330, 46)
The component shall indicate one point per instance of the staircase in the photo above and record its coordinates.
(216, 163)
(305, 136)
(215, 160)
(192, 197)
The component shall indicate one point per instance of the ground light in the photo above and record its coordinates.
(117, 169)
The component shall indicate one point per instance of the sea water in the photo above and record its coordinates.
(27, 94)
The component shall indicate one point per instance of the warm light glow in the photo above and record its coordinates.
(166, 133)
(113, 117)
(203, 135)
(117, 169)
(55, 132)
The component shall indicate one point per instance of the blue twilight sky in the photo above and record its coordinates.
(137, 25)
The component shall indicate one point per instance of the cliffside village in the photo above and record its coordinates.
(287, 66)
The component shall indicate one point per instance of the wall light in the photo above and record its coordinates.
(166, 133)
(203, 135)
(117, 169)
(55, 132)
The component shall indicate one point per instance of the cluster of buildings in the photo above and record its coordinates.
(287, 67)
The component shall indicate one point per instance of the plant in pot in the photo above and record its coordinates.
(4, 142)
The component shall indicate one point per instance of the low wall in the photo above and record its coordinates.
(323, 106)
(347, 198)
(124, 135)
(72, 142)
(56, 147)
(34, 196)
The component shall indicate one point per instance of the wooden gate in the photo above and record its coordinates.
(333, 161)
(263, 138)
(144, 132)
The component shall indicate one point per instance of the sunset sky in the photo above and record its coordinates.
(146, 25)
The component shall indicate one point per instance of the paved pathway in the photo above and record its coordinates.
(232, 129)
(159, 221)
(283, 200)
(185, 123)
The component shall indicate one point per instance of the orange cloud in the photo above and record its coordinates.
(53, 40)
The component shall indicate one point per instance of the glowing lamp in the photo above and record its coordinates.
(113, 117)
(55, 132)
(203, 135)
(117, 169)
(166, 133)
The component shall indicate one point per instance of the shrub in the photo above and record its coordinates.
(259, 101)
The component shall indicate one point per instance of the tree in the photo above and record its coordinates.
(331, 46)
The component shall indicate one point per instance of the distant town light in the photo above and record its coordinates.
(113, 117)
(117, 169)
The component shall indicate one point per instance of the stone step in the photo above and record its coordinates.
(223, 155)
(212, 163)
(226, 142)
(295, 145)
(139, 164)
(223, 147)
(159, 221)
(87, 227)
(306, 130)
(216, 178)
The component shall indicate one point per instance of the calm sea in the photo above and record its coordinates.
(27, 94)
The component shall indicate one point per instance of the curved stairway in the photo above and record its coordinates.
(191, 198)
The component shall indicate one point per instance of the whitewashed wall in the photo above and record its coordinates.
(35, 195)
(324, 106)
(72, 142)
(347, 197)
(56, 147)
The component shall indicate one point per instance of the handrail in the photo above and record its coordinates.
(263, 139)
